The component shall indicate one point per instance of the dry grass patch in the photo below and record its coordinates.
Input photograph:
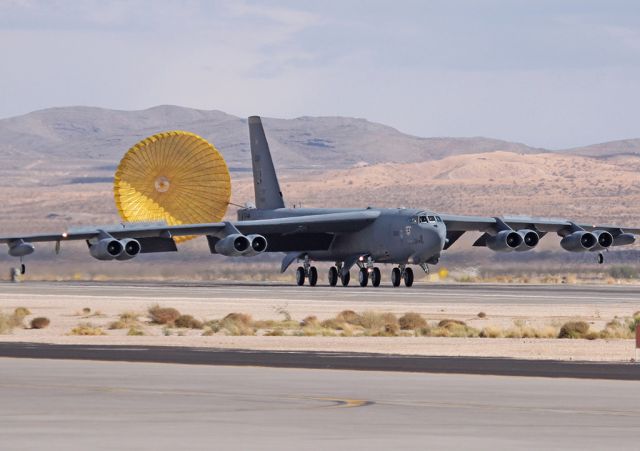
(10, 322)
(135, 331)
(22, 312)
(40, 322)
(126, 320)
(163, 315)
(412, 321)
(87, 329)
(310, 321)
(454, 328)
(618, 329)
(237, 324)
(349, 317)
(574, 329)
(188, 322)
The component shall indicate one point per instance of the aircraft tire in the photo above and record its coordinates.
(408, 277)
(300, 276)
(345, 279)
(395, 277)
(333, 276)
(376, 277)
(313, 276)
(363, 277)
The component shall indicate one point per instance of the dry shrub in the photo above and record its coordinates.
(491, 332)
(310, 321)
(237, 324)
(40, 322)
(334, 324)
(349, 317)
(10, 322)
(125, 320)
(188, 322)
(86, 329)
(313, 331)
(274, 333)
(372, 321)
(451, 322)
(86, 311)
(574, 329)
(482, 315)
(616, 329)
(163, 315)
(135, 331)
(412, 321)
(454, 328)
(207, 331)
(423, 331)
(21, 312)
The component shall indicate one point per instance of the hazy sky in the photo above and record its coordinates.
(548, 73)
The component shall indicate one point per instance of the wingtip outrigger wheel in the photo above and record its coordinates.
(600, 258)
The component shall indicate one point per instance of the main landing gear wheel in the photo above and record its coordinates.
(333, 276)
(300, 276)
(408, 277)
(313, 276)
(600, 258)
(376, 277)
(395, 277)
(345, 279)
(363, 277)
(23, 269)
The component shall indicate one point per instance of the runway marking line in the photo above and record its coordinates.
(340, 403)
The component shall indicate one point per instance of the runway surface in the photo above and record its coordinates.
(354, 295)
(60, 404)
(326, 360)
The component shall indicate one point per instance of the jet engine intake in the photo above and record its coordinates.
(131, 248)
(106, 249)
(605, 240)
(579, 241)
(530, 239)
(20, 248)
(233, 245)
(505, 241)
(258, 244)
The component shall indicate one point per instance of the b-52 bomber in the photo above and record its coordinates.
(364, 238)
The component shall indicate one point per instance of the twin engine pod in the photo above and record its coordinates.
(236, 245)
(582, 241)
(112, 249)
(511, 240)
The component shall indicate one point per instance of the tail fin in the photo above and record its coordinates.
(265, 181)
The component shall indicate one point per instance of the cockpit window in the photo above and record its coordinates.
(432, 219)
(438, 218)
(413, 219)
(423, 219)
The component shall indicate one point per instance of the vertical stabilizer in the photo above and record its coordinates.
(265, 181)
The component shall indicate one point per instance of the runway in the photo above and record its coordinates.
(326, 360)
(71, 405)
(419, 294)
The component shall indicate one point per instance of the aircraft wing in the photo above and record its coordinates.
(458, 225)
(290, 227)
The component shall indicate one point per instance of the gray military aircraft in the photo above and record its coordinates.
(347, 237)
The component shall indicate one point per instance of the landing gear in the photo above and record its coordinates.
(345, 278)
(306, 271)
(23, 269)
(402, 273)
(395, 277)
(408, 277)
(313, 276)
(333, 276)
(600, 258)
(376, 277)
(363, 277)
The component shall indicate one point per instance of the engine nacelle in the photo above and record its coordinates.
(624, 239)
(504, 241)
(258, 244)
(106, 249)
(233, 245)
(130, 248)
(530, 239)
(20, 248)
(605, 240)
(579, 241)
